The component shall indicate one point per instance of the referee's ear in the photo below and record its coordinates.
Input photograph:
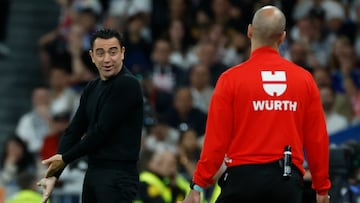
(282, 38)
(250, 31)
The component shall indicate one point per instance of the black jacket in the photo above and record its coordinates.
(110, 115)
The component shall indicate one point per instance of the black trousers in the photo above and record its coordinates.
(260, 183)
(109, 186)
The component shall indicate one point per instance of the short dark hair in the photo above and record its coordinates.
(25, 180)
(106, 33)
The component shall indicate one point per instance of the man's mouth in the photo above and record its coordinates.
(107, 68)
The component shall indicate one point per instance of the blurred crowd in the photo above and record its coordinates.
(177, 49)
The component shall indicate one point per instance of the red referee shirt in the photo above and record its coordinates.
(257, 108)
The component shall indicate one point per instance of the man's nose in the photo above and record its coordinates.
(107, 57)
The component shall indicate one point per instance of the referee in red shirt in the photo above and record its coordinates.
(258, 108)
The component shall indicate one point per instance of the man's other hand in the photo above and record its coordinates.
(322, 198)
(193, 197)
(54, 163)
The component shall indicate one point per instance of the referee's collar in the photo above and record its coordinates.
(264, 50)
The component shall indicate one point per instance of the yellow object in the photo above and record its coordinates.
(27, 196)
(216, 192)
(157, 184)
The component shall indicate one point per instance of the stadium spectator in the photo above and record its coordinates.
(33, 126)
(15, 158)
(62, 97)
(81, 67)
(138, 48)
(334, 121)
(28, 190)
(309, 30)
(59, 123)
(165, 76)
(200, 86)
(188, 153)
(237, 49)
(125, 9)
(226, 14)
(208, 55)
(342, 104)
(344, 64)
(160, 101)
(78, 18)
(299, 53)
(181, 42)
(161, 136)
(160, 182)
(183, 115)
(354, 94)
(218, 36)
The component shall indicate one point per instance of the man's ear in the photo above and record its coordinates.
(122, 53)
(91, 53)
(250, 31)
(282, 38)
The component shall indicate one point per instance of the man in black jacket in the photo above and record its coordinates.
(110, 115)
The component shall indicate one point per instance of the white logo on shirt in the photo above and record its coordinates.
(274, 83)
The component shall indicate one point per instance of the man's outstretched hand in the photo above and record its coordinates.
(54, 163)
(47, 185)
